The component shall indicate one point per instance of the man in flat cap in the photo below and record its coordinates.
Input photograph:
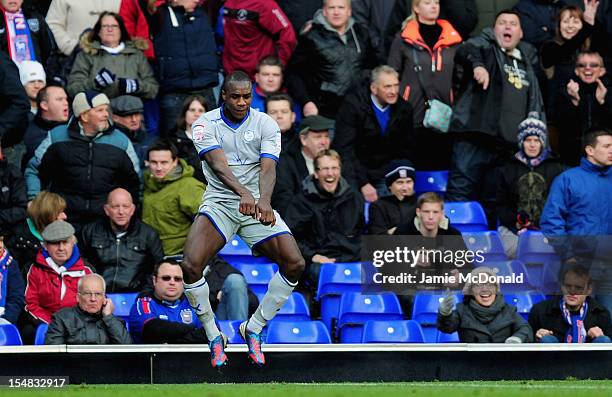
(53, 278)
(297, 163)
(127, 115)
(84, 160)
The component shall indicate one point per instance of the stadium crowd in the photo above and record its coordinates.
(100, 177)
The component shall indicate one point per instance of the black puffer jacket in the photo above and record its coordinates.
(547, 315)
(324, 66)
(504, 324)
(327, 224)
(73, 326)
(125, 262)
(83, 170)
(364, 149)
(13, 202)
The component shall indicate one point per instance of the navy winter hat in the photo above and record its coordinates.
(399, 169)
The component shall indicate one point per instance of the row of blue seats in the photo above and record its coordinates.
(533, 247)
(345, 313)
(292, 332)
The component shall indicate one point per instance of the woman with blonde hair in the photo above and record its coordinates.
(423, 52)
(483, 316)
(45, 208)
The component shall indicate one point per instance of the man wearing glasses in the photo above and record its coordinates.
(585, 104)
(91, 321)
(165, 315)
(575, 317)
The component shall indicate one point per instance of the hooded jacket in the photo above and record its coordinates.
(128, 64)
(125, 262)
(327, 224)
(436, 63)
(325, 64)
(50, 289)
(170, 204)
(478, 110)
(83, 170)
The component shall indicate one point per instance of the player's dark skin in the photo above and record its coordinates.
(204, 241)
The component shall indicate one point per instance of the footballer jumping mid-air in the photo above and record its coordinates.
(239, 148)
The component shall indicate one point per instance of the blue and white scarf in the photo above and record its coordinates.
(19, 38)
(5, 261)
(576, 333)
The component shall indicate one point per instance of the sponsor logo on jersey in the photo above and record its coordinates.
(198, 133)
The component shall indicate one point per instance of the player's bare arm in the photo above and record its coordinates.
(267, 180)
(218, 163)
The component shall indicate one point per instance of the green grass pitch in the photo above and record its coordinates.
(429, 389)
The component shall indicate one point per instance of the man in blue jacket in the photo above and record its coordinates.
(577, 216)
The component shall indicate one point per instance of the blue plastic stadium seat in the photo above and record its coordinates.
(488, 242)
(426, 305)
(466, 216)
(399, 331)
(508, 268)
(430, 332)
(236, 247)
(123, 303)
(257, 275)
(41, 332)
(549, 284)
(535, 252)
(356, 309)
(524, 301)
(236, 251)
(431, 181)
(9, 335)
(295, 309)
(300, 332)
(230, 329)
(443, 337)
(334, 280)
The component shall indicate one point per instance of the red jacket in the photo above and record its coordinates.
(254, 29)
(136, 23)
(47, 291)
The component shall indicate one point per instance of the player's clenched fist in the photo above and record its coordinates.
(264, 213)
(247, 203)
